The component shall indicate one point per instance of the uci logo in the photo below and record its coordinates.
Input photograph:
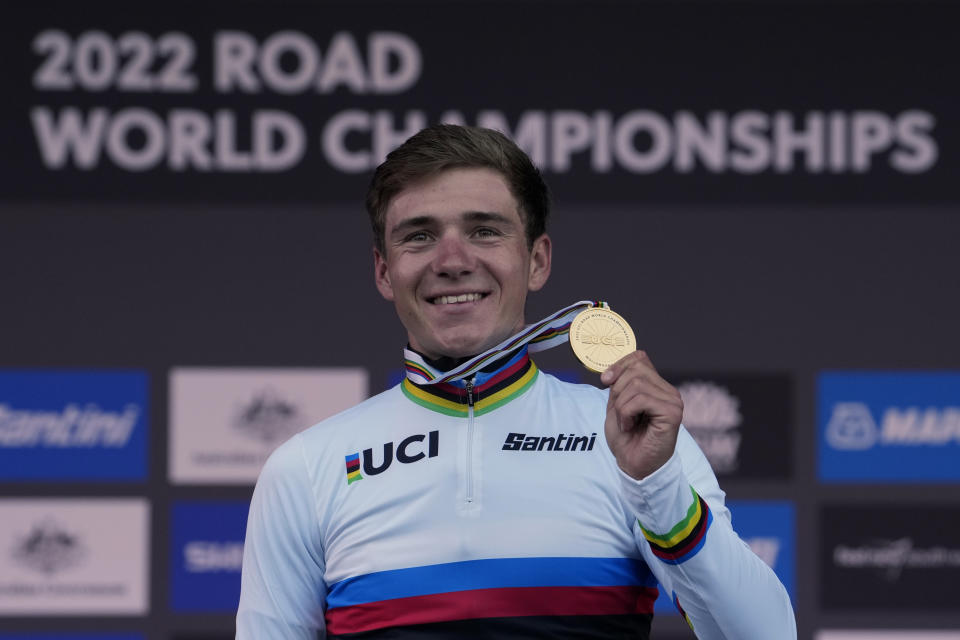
(406, 453)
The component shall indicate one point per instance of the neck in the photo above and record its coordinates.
(447, 363)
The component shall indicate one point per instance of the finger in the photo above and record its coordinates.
(637, 386)
(637, 360)
(643, 378)
(630, 409)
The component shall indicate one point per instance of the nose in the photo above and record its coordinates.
(453, 257)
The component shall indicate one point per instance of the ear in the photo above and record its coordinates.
(541, 254)
(381, 276)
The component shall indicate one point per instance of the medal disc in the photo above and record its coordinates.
(599, 337)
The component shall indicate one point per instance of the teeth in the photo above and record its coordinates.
(463, 297)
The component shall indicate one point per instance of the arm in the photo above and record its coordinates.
(722, 587)
(282, 588)
(681, 524)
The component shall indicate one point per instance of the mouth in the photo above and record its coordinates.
(457, 298)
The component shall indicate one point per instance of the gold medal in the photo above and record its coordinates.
(600, 337)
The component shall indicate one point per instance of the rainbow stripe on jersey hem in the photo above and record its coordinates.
(491, 588)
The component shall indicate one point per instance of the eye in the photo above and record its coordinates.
(417, 236)
(486, 232)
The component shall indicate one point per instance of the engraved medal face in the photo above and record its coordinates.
(600, 337)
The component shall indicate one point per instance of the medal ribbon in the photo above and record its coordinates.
(549, 332)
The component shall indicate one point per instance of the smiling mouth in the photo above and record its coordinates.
(455, 299)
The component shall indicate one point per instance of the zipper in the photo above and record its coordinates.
(469, 494)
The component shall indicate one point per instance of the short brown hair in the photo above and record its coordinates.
(446, 146)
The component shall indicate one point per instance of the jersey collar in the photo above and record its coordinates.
(496, 385)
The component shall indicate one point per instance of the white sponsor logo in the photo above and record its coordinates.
(881, 634)
(79, 556)
(712, 416)
(206, 556)
(72, 427)
(767, 549)
(224, 423)
(891, 557)
(852, 427)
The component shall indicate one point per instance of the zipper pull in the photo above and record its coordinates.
(470, 391)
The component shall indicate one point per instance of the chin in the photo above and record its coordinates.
(462, 347)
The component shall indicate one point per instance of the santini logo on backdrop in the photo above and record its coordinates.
(71, 427)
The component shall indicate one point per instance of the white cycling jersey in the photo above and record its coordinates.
(491, 509)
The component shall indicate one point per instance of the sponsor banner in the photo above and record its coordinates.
(890, 557)
(742, 422)
(73, 425)
(883, 634)
(206, 555)
(889, 426)
(77, 557)
(268, 105)
(769, 528)
(224, 423)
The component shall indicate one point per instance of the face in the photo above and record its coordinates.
(456, 262)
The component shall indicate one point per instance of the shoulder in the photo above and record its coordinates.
(573, 392)
(381, 404)
(293, 455)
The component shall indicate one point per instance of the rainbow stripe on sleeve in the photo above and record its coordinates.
(687, 538)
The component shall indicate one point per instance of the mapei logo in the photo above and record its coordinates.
(406, 453)
(852, 427)
(49, 548)
(889, 425)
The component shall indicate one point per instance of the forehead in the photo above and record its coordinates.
(454, 192)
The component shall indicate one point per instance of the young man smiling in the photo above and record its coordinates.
(457, 263)
(471, 520)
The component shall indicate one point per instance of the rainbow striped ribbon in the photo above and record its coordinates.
(547, 333)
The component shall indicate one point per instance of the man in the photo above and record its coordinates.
(481, 497)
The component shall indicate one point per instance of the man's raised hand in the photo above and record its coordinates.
(643, 415)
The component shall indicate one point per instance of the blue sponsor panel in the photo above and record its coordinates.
(889, 426)
(73, 425)
(206, 554)
(768, 527)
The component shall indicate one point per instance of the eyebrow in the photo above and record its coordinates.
(417, 222)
